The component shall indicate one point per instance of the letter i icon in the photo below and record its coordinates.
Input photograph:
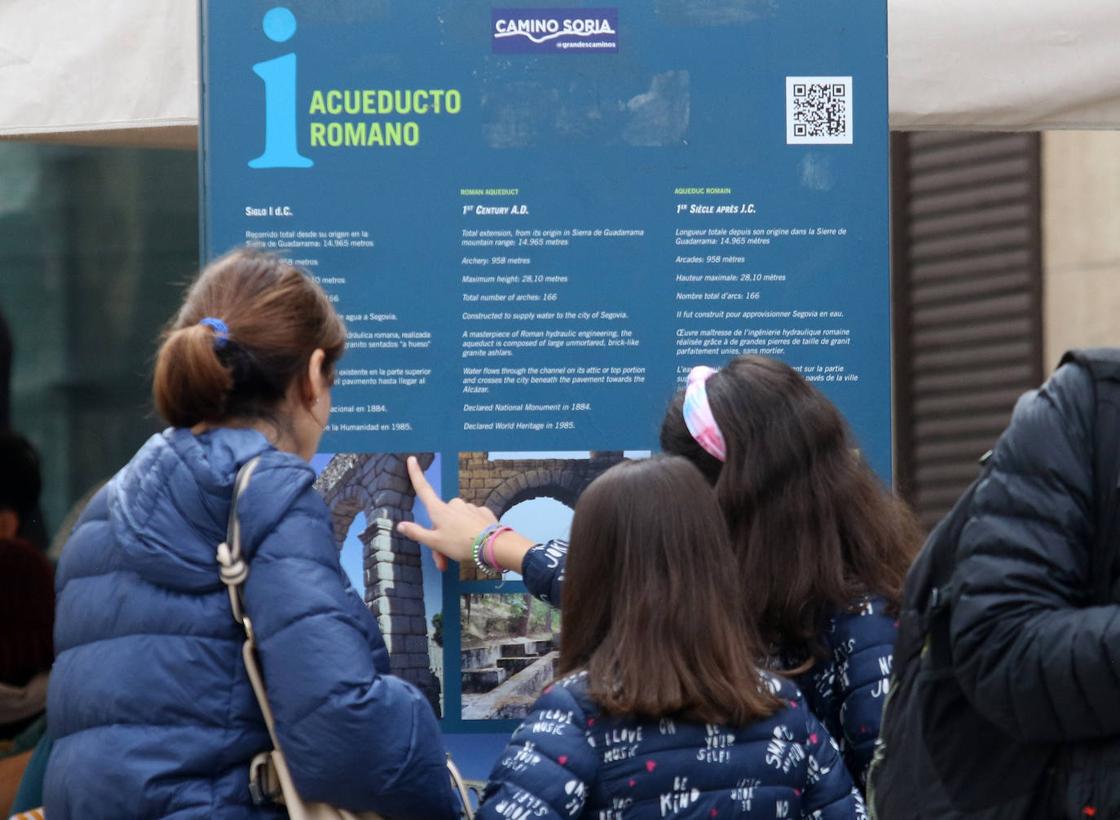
(279, 76)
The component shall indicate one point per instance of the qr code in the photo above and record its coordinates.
(819, 110)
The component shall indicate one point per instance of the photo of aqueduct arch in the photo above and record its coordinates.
(377, 485)
(502, 484)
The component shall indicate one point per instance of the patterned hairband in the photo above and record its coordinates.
(698, 414)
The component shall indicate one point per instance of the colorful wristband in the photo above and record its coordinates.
(476, 547)
(487, 551)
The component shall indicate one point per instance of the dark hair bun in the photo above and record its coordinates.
(191, 383)
(276, 316)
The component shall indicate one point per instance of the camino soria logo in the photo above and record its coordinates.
(279, 76)
(550, 31)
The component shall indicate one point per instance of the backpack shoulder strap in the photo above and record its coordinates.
(1104, 366)
(944, 560)
(1102, 362)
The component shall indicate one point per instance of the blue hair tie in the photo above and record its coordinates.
(221, 331)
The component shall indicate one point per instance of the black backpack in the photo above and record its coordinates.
(937, 756)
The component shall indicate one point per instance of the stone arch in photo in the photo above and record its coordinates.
(501, 484)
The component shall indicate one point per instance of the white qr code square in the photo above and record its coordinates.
(818, 110)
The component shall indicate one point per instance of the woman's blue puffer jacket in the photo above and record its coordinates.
(150, 707)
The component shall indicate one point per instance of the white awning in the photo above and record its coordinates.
(998, 65)
(105, 72)
(126, 71)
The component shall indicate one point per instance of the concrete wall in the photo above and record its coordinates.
(1081, 241)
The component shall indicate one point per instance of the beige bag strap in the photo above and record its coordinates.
(267, 767)
(461, 789)
(234, 572)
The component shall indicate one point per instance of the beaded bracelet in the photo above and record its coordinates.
(476, 547)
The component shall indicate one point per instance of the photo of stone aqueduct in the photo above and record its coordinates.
(501, 485)
(377, 485)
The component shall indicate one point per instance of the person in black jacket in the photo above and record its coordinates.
(5, 374)
(1030, 652)
(20, 488)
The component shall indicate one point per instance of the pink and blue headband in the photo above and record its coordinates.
(698, 416)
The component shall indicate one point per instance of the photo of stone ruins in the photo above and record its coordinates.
(377, 485)
(508, 653)
(505, 483)
(509, 641)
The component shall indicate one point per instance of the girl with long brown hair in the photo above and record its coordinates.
(660, 708)
(821, 546)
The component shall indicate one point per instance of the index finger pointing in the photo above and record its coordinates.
(423, 489)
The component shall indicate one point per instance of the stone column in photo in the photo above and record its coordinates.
(393, 577)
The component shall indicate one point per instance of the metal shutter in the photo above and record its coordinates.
(967, 295)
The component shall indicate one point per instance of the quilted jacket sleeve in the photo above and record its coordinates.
(352, 736)
(548, 768)
(1030, 652)
(543, 571)
(863, 646)
(829, 793)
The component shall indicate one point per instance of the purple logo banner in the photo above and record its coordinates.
(552, 31)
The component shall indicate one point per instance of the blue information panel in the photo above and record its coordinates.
(535, 220)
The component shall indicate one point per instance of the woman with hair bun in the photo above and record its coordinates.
(151, 708)
(822, 547)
